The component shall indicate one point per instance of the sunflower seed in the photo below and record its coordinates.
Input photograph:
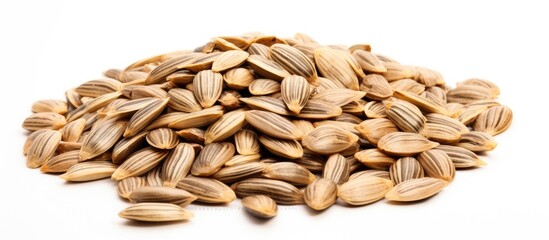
(281, 147)
(395, 71)
(261, 87)
(492, 87)
(441, 133)
(404, 144)
(212, 158)
(246, 142)
(281, 192)
(334, 66)
(319, 109)
(320, 194)
(461, 157)
(405, 168)
(145, 116)
(294, 61)
(225, 127)
(207, 190)
(238, 78)
(406, 116)
(428, 77)
(447, 121)
(337, 169)
(183, 100)
(422, 103)
(328, 140)
(175, 196)
(155, 212)
(370, 173)
(73, 130)
(139, 163)
(92, 105)
(56, 106)
(295, 92)
(375, 109)
(198, 119)
(126, 186)
(43, 148)
(477, 141)
(151, 91)
(305, 126)
(416, 189)
(96, 88)
(407, 85)
(229, 59)
(365, 190)
(288, 172)
(465, 94)
(242, 159)
(238, 172)
(89, 171)
(368, 61)
(162, 138)
(437, 164)
(339, 96)
(374, 158)
(311, 160)
(267, 103)
(260, 206)
(44, 120)
(494, 121)
(259, 49)
(267, 68)
(101, 139)
(376, 87)
(61, 163)
(374, 129)
(177, 164)
(273, 125)
(126, 146)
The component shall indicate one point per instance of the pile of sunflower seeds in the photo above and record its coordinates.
(269, 120)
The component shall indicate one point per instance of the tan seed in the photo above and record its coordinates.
(461, 157)
(404, 169)
(337, 169)
(126, 186)
(101, 139)
(177, 164)
(89, 171)
(288, 172)
(291, 149)
(56, 106)
(477, 141)
(362, 191)
(207, 190)
(175, 196)
(273, 125)
(44, 120)
(246, 142)
(374, 129)
(225, 127)
(404, 144)
(238, 172)
(126, 146)
(183, 100)
(207, 87)
(139, 163)
(260, 87)
(375, 158)
(294, 61)
(198, 119)
(376, 87)
(281, 192)
(155, 212)
(260, 206)
(43, 148)
(416, 189)
(406, 116)
(437, 164)
(320, 194)
(328, 140)
(145, 116)
(229, 59)
(295, 92)
(212, 158)
(494, 121)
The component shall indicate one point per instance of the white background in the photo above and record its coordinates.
(49, 46)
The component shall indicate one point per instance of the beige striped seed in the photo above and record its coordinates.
(192, 135)
(447, 121)
(96, 88)
(126, 146)
(319, 109)
(492, 87)
(200, 118)
(407, 85)
(368, 61)
(334, 66)
(101, 139)
(267, 103)
(50, 105)
(175, 196)
(423, 103)
(139, 163)
(273, 125)
(295, 92)
(225, 127)
(151, 91)
(396, 71)
(294, 61)
(320, 194)
(375, 158)
(376, 87)
(260, 87)
(404, 169)
(44, 120)
(260, 206)
(238, 172)
(238, 78)
(374, 129)
(267, 68)
(461, 157)
(43, 148)
(404, 144)
(183, 100)
(258, 49)
(154, 177)
(73, 130)
(229, 59)
(241, 159)
(162, 138)
(375, 109)
(177, 164)
(246, 142)
(494, 120)
(230, 99)
(370, 173)
(477, 141)
(441, 133)
(207, 87)
(364, 190)
(89, 171)
(311, 160)
(61, 163)
(339, 96)
(291, 149)
(329, 140)
(281, 192)
(465, 94)
(437, 164)
(155, 212)
(337, 169)
(212, 158)
(145, 116)
(289, 172)
(93, 105)
(416, 189)
(207, 190)
(126, 186)
(305, 126)
(406, 116)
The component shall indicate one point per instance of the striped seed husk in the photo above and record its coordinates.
(127, 109)
(339, 96)
(207, 87)
(305, 126)
(96, 88)
(354, 164)
(289, 172)
(351, 150)
(126, 186)
(101, 139)
(469, 114)
(376, 87)
(311, 160)
(337, 169)
(50, 105)
(406, 116)
(225, 127)
(397, 71)
(92, 105)
(162, 138)
(320, 194)
(151, 91)
(437, 164)
(260, 87)
(465, 94)
(329, 139)
(145, 116)
(441, 133)
(436, 94)
(273, 125)
(175, 196)
(126, 146)
(73, 130)
(294, 61)
(492, 87)
(425, 104)
(291, 149)
(61, 163)
(68, 146)
(212, 158)
(241, 159)
(267, 68)
(258, 49)
(407, 85)
(477, 141)
(404, 144)
(139, 163)
(405, 168)
(200, 118)
(360, 46)
(447, 121)
(246, 142)
(494, 120)
(461, 157)
(319, 109)
(343, 125)
(154, 177)
(192, 135)
(238, 172)
(159, 74)
(370, 173)
(73, 98)
(89, 171)
(375, 109)
(416, 189)
(238, 78)
(177, 164)
(374, 129)
(267, 103)
(202, 61)
(229, 59)
(333, 65)
(375, 159)
(368, 61)
(281, 192)
(207, 190)
(295, 92)
(43, 148)
(181, 77)
(44, 120)
(30, 138)
(325, 84)
(260, 206)
(354, 107)
(155, 212)
(183, 100)
(428, 77)
(364, 190)
(454, 109)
